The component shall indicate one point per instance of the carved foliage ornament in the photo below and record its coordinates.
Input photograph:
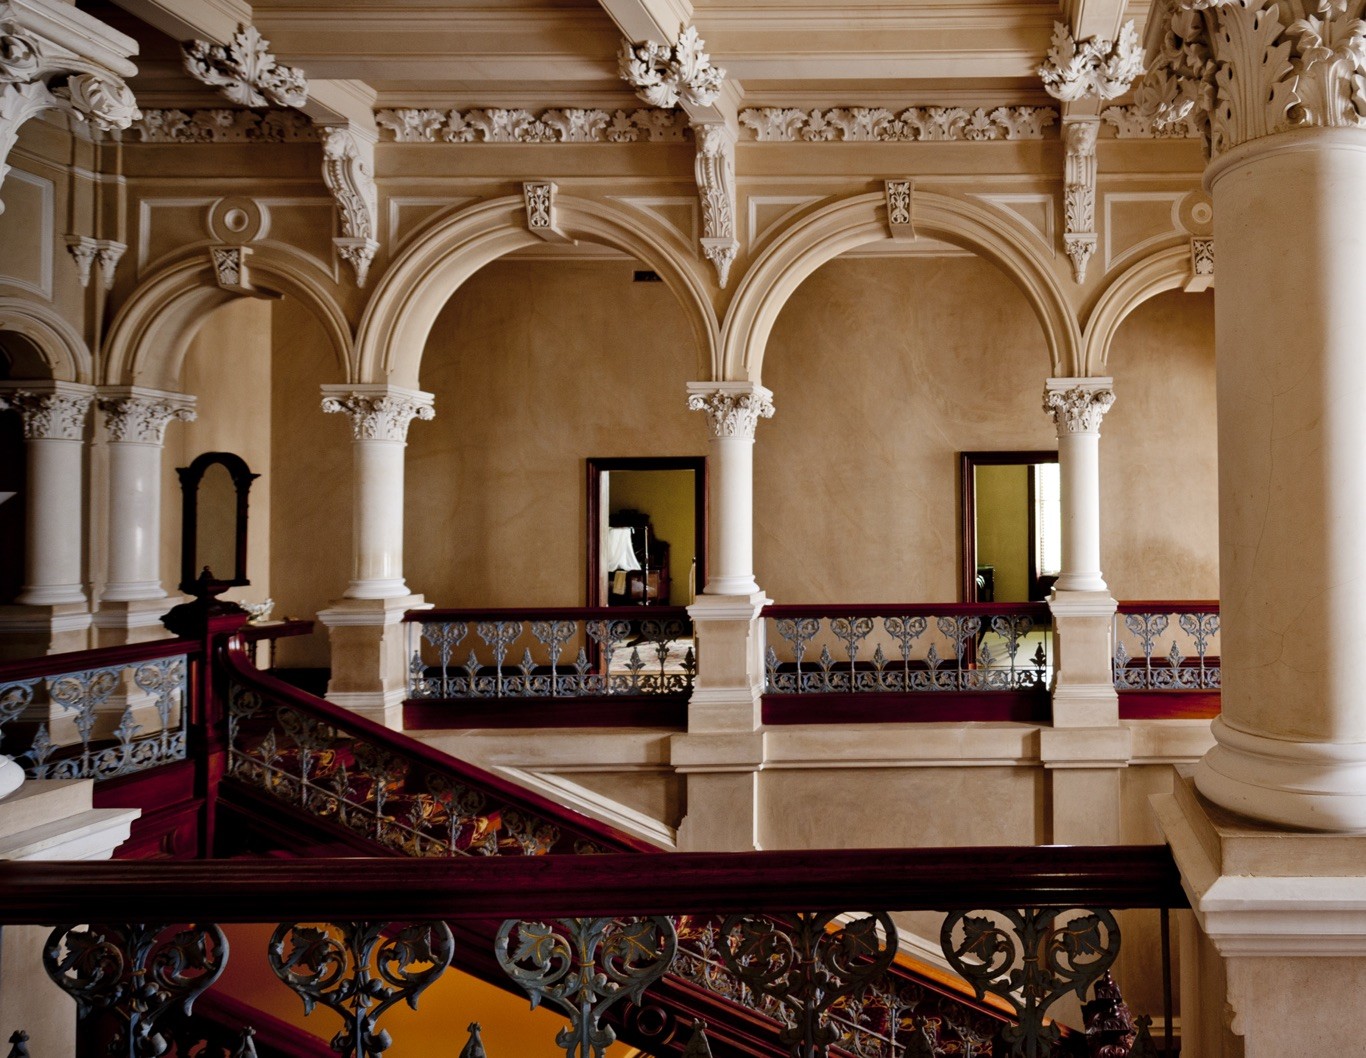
(1078, 409)
(1091, 68)
(141, 420)
(348, 172)
(664, 75)
(1131, 123)
(879, 125)
(245, 71)
(1079, 193)
(221, 125)
(715, 172)
(380, 418)
(50, 416)
(732, 414)
(1243, 69)
(567, 125)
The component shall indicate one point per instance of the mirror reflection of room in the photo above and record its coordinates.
(1016, 528)
(651, 539)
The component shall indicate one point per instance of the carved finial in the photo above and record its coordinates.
(1094, 67)
(474, 1046)
(664, 75)
(245, 71)
(698, 1047)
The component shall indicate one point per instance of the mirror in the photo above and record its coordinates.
(1011, 508)
(213, 529)
(647, 523)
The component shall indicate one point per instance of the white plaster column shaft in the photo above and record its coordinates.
(733, 411)
(379, 421)
(54, 416)
(1077, 406)
(136, 421)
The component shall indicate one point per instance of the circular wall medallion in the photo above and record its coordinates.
(238, 220)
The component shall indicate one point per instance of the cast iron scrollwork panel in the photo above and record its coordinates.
(583, 966)
(806, 966)
(139, 972)
(359, 971)
(1031, 957)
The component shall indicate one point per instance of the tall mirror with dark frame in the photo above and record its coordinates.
(213, 542)
(1011, 510)
(647, 525)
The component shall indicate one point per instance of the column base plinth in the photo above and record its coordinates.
(33, 631)
(726, 698)
(119, 622)
(369, 651)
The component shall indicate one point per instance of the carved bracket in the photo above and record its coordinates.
(86, 251)
(667, 75)
(348, 172)
(715, 170)
(245, 71)
(539, 196)
(230, 268)
(1079, 192)
(900, 208)
(1091, 68)
(1202, 265)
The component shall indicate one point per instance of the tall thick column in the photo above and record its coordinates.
(369, 667)
(135, 420)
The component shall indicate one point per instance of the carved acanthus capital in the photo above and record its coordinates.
(378, 413)
(348, 172)
(665, 75)
(1091, 68)
(245, 71)
(715, 172)
(141, 417)
(1246, 69)
(1077, 405)
(58, 413)
(733, 409)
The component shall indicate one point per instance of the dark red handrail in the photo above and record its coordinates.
(547, 613)
(99, 658)
(277, 691)
(1170, 606)
(1124, 876)
(910, 609)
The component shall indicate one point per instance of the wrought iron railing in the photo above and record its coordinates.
(97, 714)
(910, 652)
(1023, 926)
(1166, 658)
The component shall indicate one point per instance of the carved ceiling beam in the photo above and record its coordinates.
(55, 57)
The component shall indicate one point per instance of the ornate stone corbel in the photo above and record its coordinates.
(348, 171)
(1202, 265)
(82, 249)
(109, 253)
(230, 268)
(900, 208)
(715, 169)
(539, 196)
(245, 71)
(46, 43)
(666, 75)
(1091, 68)
(1079, 192)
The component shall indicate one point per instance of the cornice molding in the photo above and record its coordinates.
(557, 125)
(223, 125)
(883, 125)
(670, 75)
(1094, 68)
(1243, 70)
(246, 71)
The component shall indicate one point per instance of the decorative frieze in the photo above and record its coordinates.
(223, 125)
(1094, 68)
(1078, 405)
(348, 172)
(732, 412)
(59, 415)
(1241, 71)
(666, 75)
(141, 418)
(245, 71)
(900, 218)
(565, 125)
(715, 171)
(379, 413)
(880, 125)
(1131, 123)
(1079, 193)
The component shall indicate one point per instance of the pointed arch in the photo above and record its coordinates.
(151, 334)
(1156, 273)
(851, 222)
(59, 343)
(394, 330)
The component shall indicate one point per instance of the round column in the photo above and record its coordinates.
(733, 411)
(1077, 406)
(54, 421)
(136, 422)
(379, 422)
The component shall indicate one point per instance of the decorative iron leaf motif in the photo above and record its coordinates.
(359, 970)
(1186, 666)
(583, 966)
(1031, 957)
(138, 972)
(806, 966)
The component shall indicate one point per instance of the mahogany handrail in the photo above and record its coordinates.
(99, 658)
(909, 609)
(275, 690)
(542, 613)
(1169, 606)
(376, 889)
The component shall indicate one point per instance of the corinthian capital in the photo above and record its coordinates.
(378, 413)
(1078, 404)
(51, 411)
(134, 415)
(733, 408)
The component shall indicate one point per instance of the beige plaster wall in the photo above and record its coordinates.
(536, 366)
(1159, 460)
